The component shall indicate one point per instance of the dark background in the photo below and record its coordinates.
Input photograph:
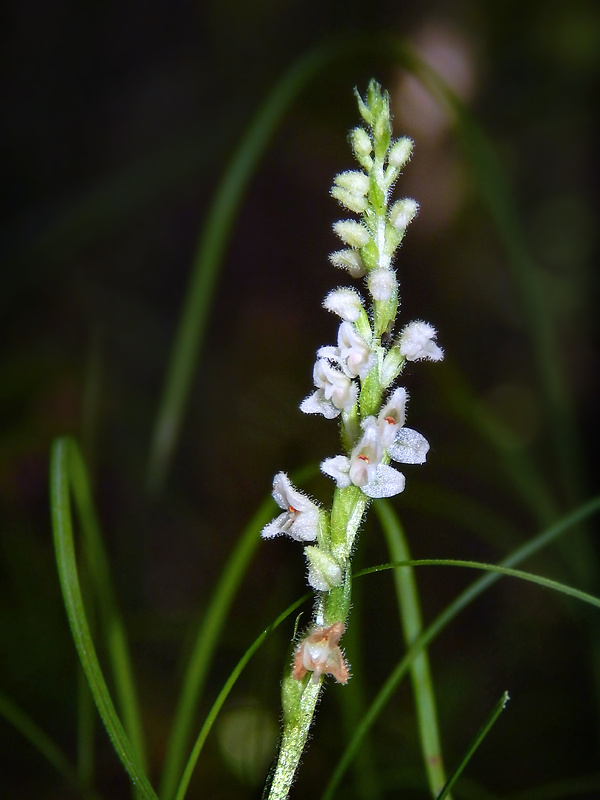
(117, 122)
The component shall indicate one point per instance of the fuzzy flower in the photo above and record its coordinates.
(346, 303)
(392, 415)
(320, 653)
(416, 342)
(300, 519)
(352, 353)
(364, 468)
(335, 391)
(402, 444)
(382, 283)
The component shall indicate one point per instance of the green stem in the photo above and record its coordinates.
(295, 734)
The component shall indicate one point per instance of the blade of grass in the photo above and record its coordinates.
(69, 581)
(412, 626)
(111, 622)
(547, 583)
(483, 732)
(224, 693)
(206, 640)
(440, 622)
(86, 729)
(40, 740)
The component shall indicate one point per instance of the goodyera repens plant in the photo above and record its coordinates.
(354, 382)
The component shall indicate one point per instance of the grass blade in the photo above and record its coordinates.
(412, 627)
(483, 732)
(69, 580)
(224, 693)
(110, 618)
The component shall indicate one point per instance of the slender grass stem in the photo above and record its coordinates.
(412, 626)
(67, 569)
(111, 621)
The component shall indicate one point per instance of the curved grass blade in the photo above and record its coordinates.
(69, 580)
(207, 638)
(412, 626)
(547, 583)
(224, 693)
(483, 732)
(443, 619)
(40, 740)
(111, 622)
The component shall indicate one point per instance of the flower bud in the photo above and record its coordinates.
(403, 212)
(400, 152)
(352, 233)
(323, 571)
(350, 260)
(362, 147)
(346, 303)
(382, 284)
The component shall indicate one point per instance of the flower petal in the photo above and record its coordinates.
(409, 447)
(316, 404)
(386, 483)
(338, 469)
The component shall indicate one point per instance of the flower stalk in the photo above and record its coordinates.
(354, 383)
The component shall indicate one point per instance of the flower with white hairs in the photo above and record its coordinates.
(416, 342)
(352, 353)
(335, 391)
(346, 303)
(364, 468)
(300, 519)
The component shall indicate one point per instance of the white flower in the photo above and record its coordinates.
(392, 416)
(350, 260)
(300, 519)
(323, 571)
(346, 303)
(335, 391)
(402, 444)
(364, 468)
(352, 353)
(416, 342)
(409, 447)
(382, 283)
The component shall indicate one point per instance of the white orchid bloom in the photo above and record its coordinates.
(300, 519)
(335, 391)
(364, 468)
(416, 342)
